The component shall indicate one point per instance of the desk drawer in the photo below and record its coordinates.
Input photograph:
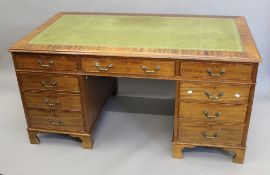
(46, 62)
(53, 101)
(49, 82)
(148, 68)
(211, 135)
(217, 71)
(129, 66)
(59, 121)
(213, 112)
(103, 65)
(229, 93)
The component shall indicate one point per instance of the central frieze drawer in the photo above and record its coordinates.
(211, 135)
(53, 101)
(129, 66)
(225, 93)
(49, 82)
(53, 120)
(222, 113)
(46, 62)
(217, 71)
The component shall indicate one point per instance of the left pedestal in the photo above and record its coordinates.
(58, 100)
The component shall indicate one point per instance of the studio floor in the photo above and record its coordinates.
(132, 136)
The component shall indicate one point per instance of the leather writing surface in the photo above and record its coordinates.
(187, 33)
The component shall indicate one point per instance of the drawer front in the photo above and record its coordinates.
(212, 112)
(238, 94)
(217, 71)
(211, 135)
(46, 62)
(49, 82)
(146, 68)
(53, 101)
(107, 65)
(134, 67)
(59, 121)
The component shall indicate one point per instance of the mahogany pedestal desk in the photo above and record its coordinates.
(67, 68)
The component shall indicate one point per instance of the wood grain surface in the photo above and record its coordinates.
(213, 113)
(66, 102)
(218, 134)
(217, 71)
(131, 66)
(46, 62)
(68, 121)
(218, 93)
(47, 82)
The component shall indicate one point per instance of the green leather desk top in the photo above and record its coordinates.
(187, 33)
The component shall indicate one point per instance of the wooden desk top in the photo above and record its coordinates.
(133, 35)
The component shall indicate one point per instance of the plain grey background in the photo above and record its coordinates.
(128, 140)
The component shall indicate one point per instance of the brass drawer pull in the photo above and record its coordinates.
(56, 122)
(46, 101)
(213, 97)
(206, 135)
(217, 114)
(211, 74)
(103, 69)
(145, 68)
(48, 85)
(49, 65)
